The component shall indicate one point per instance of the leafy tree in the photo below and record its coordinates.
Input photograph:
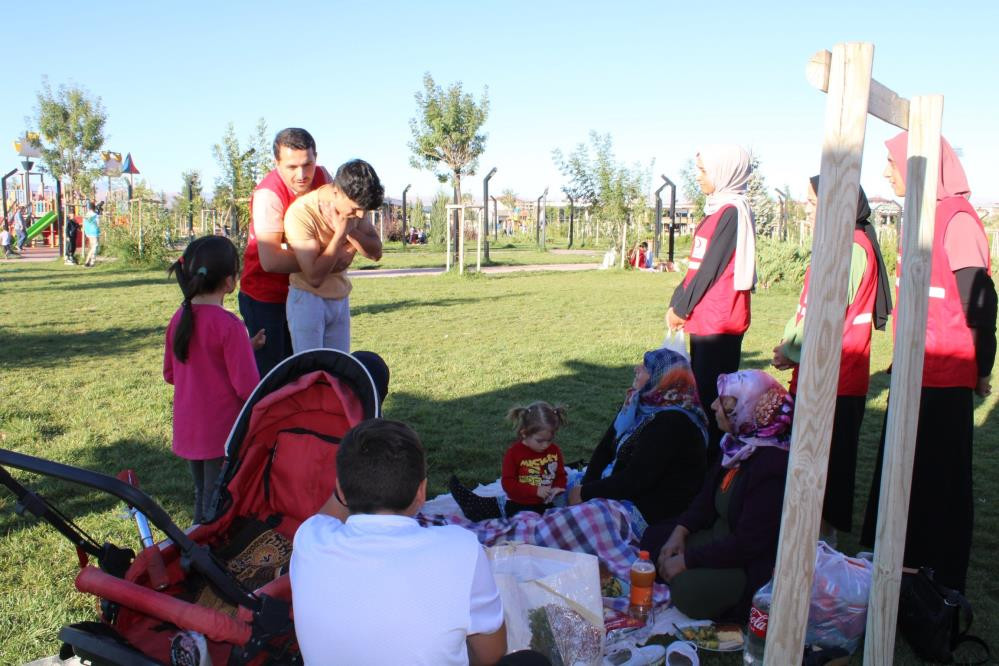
(613, 190)
(446, 132)
(417, 217)
(191, 199)
(240, 167)
(760, 200)
(438, 219)
(72, 124)
(691, 190)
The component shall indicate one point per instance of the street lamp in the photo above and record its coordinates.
(572, 213)
(404, 215)
(659, 218)
(485, 209)
(537, 222)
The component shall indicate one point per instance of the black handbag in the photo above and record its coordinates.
(935, 619)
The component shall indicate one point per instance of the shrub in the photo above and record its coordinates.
(123, 240)
(780, 263)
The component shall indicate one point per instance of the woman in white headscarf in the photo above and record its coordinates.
(711, 305)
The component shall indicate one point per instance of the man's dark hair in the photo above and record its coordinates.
(295, 138)
(380, 465)
(357, 179)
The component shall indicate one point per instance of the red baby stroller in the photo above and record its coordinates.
(225, 579)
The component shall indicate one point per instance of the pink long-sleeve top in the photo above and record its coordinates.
(209, 388)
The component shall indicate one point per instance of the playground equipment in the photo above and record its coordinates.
(461, 208)
(845, 74)
(41, 224)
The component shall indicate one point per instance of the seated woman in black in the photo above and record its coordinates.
(654, 453)
(723, 547)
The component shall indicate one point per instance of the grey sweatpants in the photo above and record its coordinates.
(316, 322)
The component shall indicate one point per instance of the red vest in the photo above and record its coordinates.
(949, 356)
(855, 361)
(255, 282)
(722, 309)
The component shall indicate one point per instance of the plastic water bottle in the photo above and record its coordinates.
(756, 632)
(643, 575)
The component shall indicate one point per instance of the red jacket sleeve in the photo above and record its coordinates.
(522, 493)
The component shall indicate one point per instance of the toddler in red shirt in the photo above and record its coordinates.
(533, 467)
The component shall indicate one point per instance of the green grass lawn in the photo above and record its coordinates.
(80, 381)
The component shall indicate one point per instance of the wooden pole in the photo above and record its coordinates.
(447, 242)
(846, 123)
(461, 240)
(922, 167)
(478, 240)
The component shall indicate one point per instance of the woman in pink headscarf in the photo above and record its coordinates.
(719, 551)
(711, 305)
(960, 351)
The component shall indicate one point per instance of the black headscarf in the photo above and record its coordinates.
(882, 300)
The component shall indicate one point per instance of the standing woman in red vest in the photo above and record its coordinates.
(959, 353)
(712, 303)
(868, 301)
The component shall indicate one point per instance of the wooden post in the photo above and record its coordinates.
(923, 165)
(478, 242)
(461, 240)
(846, 122)
(447, 242)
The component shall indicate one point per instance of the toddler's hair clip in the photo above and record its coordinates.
(202, 271)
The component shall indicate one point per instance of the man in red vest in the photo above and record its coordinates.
(263, 287)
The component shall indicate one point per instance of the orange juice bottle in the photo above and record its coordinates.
(643, 575)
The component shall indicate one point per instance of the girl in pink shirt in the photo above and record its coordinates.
(209, 361)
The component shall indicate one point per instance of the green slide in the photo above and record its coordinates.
(40, 224)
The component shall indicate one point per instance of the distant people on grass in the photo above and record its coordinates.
(72, 229)
(868, 302)
(92, 233)
(533, 467)
(5, 241)
(712, 303)
(638, 256)
(959, 354)
(653, 453)
(722, 548)
(263, 287)
(208, 360)
(325, 228)
(20, 228)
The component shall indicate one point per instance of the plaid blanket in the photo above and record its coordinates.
(600, 527)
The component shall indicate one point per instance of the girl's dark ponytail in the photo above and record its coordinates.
(205, 265)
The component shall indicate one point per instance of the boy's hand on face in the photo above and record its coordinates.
(342, 226)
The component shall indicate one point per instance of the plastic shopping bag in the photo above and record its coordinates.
(551, 602)
(676, 341)
(840, 587)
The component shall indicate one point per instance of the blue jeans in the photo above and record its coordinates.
(270, 317)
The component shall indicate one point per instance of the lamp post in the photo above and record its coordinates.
(404, 214)
(537, 221)
(485, 210)
(672, 217)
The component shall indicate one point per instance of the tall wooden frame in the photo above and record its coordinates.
(845, 74)
(461, 208)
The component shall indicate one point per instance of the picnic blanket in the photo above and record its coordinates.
(600, 527)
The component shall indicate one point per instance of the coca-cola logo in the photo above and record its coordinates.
(758, 622)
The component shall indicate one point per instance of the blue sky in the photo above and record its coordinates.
(661, 77)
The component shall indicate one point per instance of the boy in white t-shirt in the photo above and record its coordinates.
(371, 586)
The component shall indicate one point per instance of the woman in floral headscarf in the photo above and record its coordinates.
(723, 547)
(653, 454)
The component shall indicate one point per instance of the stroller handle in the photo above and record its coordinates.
(199, 556)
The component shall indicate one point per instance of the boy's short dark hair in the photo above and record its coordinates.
(295, 138)
(380, 466)
(359, 182)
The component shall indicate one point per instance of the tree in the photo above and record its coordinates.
(614, 191)
(759, 199)
(240, 167)
(72, 124)
(191, 199)
(438, 219)
(417, 217)
(691, 190)
(446, 132)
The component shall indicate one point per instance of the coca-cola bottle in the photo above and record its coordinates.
(756, 632)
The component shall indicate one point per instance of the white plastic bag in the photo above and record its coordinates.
(838, 612)
(554, 593)
(676, 341)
